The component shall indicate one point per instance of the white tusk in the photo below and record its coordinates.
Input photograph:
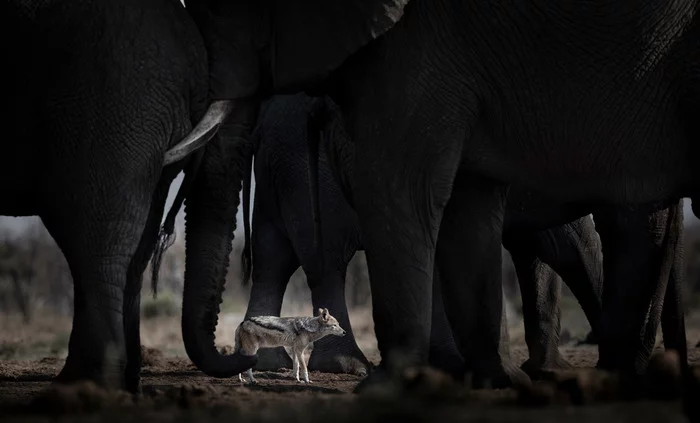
(202, 133)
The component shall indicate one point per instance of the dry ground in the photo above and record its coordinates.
(175, 391)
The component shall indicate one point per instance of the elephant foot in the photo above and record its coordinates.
(271, 359)
(535, 368)
(499, 375)
(133, 378)
(111, 377)
(449, 361)
(339, 359)
(377, 382)
(133, 386)
(627, 362)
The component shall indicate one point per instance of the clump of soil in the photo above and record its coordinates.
(81, 397)
(30, 371)
(152, 357)
(51, 361)
(189, 395)
(8, 372)
(430, 383)
(663, 380)
(570, 387)
(155, 362)
(422, 382)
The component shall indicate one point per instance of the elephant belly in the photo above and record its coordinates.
(577, 115)
(636, 153)
(527, 209)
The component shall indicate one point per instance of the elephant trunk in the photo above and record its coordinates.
(210, 221)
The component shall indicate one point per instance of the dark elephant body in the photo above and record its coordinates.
(99, 92)
(537, 234)
(449, 103)
(541, 236)
(479, 128)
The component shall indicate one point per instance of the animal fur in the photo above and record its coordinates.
(296, 333)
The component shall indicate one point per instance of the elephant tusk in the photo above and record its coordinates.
(202, 133)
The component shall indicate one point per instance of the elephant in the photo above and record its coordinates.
(449, 104)
(109, 103)
(282, 241)
(529, 210)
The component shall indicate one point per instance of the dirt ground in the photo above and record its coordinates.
(174, 390)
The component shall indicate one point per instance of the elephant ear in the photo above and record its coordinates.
(284, 45)
(311, 38)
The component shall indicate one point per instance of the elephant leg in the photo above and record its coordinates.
(575, 253)
(274, 262)
(444, 354)
(409, 137)
(469, 260)
(98, 244)
(132, 293)
(672, 315)
(399, 215)
(334, 354)
(673, 319)
(540, 289)
(637, 246)
(572, 251)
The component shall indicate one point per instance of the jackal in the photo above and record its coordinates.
(296, 333)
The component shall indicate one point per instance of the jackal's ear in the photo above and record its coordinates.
(320, 311)
(324, 313)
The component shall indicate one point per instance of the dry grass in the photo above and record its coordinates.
(46, 336)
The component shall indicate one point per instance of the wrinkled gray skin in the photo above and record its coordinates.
(283, 212)
(572, 251)
(101, 91)
(282, 240)
(449, 103)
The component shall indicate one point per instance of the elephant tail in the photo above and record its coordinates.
(314, 125)
(246, 255)
(166, 235)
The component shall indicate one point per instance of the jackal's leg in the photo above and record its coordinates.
(295, 364)
(246, 346)
(250, 376)
(302, 363)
